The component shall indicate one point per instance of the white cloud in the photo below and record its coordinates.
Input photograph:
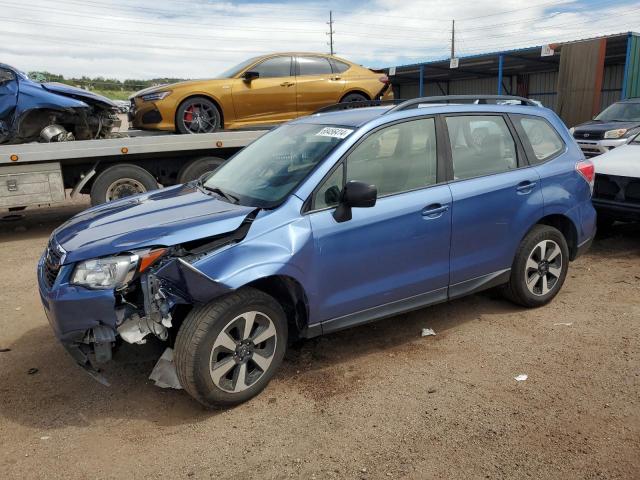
(195, 39)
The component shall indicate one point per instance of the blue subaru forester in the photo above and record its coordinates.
(327, 222)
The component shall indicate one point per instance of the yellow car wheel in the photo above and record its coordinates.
(197, 115)
(354, 97)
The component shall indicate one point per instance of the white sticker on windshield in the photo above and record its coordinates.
(334, 132)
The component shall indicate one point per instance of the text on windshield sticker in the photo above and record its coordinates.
(334, 132)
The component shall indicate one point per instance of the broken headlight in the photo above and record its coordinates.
(105, 273)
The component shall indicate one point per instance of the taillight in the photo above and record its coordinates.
(384, 79)
(588, 172)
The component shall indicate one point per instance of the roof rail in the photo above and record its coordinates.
(479, 99)
(359, 104)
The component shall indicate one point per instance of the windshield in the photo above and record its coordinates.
(233, 71)
(621, 112)
(636, 140)
(266, 171)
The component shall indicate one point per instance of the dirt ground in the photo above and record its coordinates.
(377, 401)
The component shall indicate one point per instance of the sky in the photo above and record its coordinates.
(199, 38)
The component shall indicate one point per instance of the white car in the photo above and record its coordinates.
(616, 194)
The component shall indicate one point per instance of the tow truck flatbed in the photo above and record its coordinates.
(38, 173)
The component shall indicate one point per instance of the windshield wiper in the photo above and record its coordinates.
(218, 191)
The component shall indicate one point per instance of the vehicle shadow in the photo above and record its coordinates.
(60, 394)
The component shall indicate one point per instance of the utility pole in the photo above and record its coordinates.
(331, 32)
(453, 39)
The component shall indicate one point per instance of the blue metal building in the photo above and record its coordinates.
(527, 73)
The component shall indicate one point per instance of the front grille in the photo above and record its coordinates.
(588, 135)
(619, 189)
(54, 256)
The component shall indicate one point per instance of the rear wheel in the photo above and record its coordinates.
(198, 167)
(540, 267)
(197, 115)
(228, 350)
(354, 97)
(121, 181)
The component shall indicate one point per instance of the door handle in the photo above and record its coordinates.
(434, 211)
(337, 77)
(525, 187)
(286, 84)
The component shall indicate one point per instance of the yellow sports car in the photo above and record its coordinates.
(260, 91)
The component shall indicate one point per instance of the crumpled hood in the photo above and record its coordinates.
(160, 218)
(77, 93)
(622, 161)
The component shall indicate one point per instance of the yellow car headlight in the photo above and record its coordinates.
(150, 97)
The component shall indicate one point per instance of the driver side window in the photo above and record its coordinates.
(397, 158)
(274, 67)
(328, 195)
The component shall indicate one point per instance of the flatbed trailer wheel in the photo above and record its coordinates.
(120, 181)
(198, 167)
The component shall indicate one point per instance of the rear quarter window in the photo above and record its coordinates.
(338, 66)
(541, 140)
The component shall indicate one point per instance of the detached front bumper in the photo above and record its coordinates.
(83, 320)
(591, 148)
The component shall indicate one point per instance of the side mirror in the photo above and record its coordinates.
(250, 75)
(355, 195)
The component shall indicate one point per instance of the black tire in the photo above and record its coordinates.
(201, 329)
(354, 97)
(198, 167)
(121, 181)
(604, 222)
(517, 290)
(211, 116)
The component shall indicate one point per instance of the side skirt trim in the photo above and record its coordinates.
(408, 304)
(479, 283)
(384, 311)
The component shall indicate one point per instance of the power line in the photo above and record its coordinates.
(331, 31)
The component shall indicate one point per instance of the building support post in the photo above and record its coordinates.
(627, 62)
(500, 62)
(421, 87)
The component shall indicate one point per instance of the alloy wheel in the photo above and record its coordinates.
(543, 268)
(243, 351)
(200, 118)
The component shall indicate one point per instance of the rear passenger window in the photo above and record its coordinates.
(480, 145)
(541, 137)
(339, 67)
(314, 66)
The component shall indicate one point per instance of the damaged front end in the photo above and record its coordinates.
(160, 288)
(51, 112)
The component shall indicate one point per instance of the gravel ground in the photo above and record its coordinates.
(377, 401)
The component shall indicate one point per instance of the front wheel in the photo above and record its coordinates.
(228, 350)
(197, 115)
(540, 267)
